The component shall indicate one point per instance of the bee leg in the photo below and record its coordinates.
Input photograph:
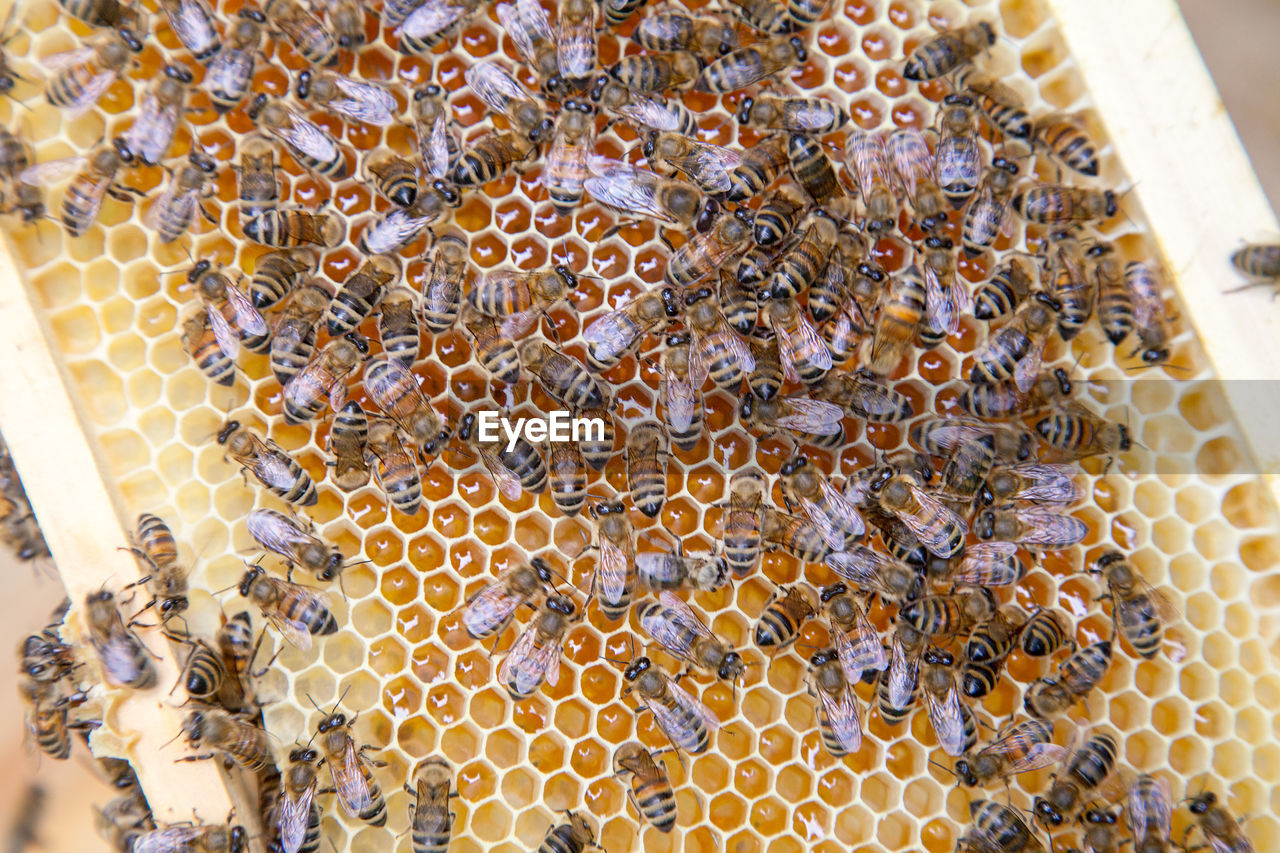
(615, 228)
(123, 193)
(376, 762)
(203, 757)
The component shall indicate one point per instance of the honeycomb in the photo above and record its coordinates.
(1202, 527)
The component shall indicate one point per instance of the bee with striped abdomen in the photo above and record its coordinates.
(988, 215)
(1150, 813)
(567, 476)
(793, 114)
(81, 76)
(1018, 748)
(650, 793)
(535, 656)
(275, 275)
(949, 614)
(519, 297)
(656, 72)
(1050, 697)
(284, 536)
(347, 98)
(489, 157)
(124, 659)
(398, 325)
(245, 743)
(838, 715)
(1067, 141)
(490, 611)
(323, 379)
(496, 352)
(915, 165)
(357, 790)
(294, 334)
(716, 349)
(296, 611)
(935, 525)
(571, 147)
(948, 50)
(515, 467)
(709, 166)
(430, 820)
(1150, 316)
(1139, 610)
(958, 158)
(1074, 432)
(1048, 204)
(1015, 350)
(561, 376)
(805, 358)
(445, 280)
(287, 227)
(1009, 285)
(685, 721)
(1002, 107)
(1045, 632)
(670, 30)
(1086, 769)
(749, 65)
(310, 37)
(150, 137)
(395, 390)
(672, 624)
(856, 641)
(393, 177)
(765, 16)
(673, 569)
(997, 828)
(295, 813)
(617, 332)
(683, 376)
(574, 836)
(784, 614)
(258, 189)
(902, 306)
(705, 253)
(900, 682)
(952, 722)
(360, 293)
(200, 342)
(310, 144)
(989, 644)
(397, 472)
(502, 93)
(647, 467)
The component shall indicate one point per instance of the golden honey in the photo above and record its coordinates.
(112, 305)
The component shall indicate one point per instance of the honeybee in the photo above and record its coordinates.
(535, 656)
(1031, 482)
(204, 675)
(749, 65)
(397, 473)
(394, 177)
(797, 536)
(715, 349)
(400, 226)
(1018, 748)
(903, 304)
(17, 179)
(566, 169)
(948, 50)
(1257, 260)
(998, 828)
(740, 529)
(293, 338)
(617, 332)
(398, 325)
(310, 37)
(643, 193)
(650, 793)
(651, 111)
(1048, 204)
(489, 157)
(988, 216)
(948, 615)
(805, 358)
(567, 475)
(529, 29)
(309, 143)
(942, 703)
(279, 533)
(437, 146)
(1002, 107)
(429, 24)
(496, 352)
(346, 18)
(245, 743)
(900, 681)
(230, 311)
(520, 297)
(515, 467)
(1066, 139)
(671, 30)
(560, 375)
(94, 179)
(800, 264)
(1074, 432)
(838, 714)
(681, 388)
(1045, 633)
(1010, 283)
(1050, 697)
(672, 570)
(173, 211)
(295, 811)
(490, 611)
(286, 227)
(1150, 813)
(151, 135)
(870, 161)
(706, 252)
(1075, 290)
(989, 564)
(942, 436)
(272, 467)
(656, 72)
(618, 12)
(988, 646)
(45, 657)
(685, 721)
(348, 441)
(100, 13)
(323, 379)
(259, 191)
(200, 342)
(166, 580)
(82, 76)
(1031, 527)
(1016, 349)
(766, 16)
(124, 659)
(647, 467)
(864, 398)
(815, 422)
(615, 575)
(765, 382)
(196, 838)
(813, 169)
(1150, 319)
(275, 275)
(395, 390)
(784, 614)
(429, 817)
(958, 161)
(1115, 305)
(297, 612)
(946, 297)
(1138, 609)
(914, 165)
(856, 642)
(506, 96)
(779, 212)
(357, 790)
(936, 526)
(821, 502)
(709, 166)
(576, 41)
(675, 627)
(792, 114)
(1087, 768)
(46, 718)
(572, 837)
(1219, 828)
(446, 278)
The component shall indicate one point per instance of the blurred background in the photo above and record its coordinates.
(1238, 41)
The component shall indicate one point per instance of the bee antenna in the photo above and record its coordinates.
(948, 770)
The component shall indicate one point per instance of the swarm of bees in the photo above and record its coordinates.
(806, 267)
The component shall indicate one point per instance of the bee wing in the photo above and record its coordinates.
(947, 719)
(1157, 820)
(429, 19)
(526, 24)
(309, 138)
(902, 674)
(624, 187)
(228, 340)
(876, 656)
(495, 85)
(273, 532)
(527, 664)
(842, 715)
(67, 58)
(1050, 529)
(1024, 375)
(842, 511)
(435, 157)
(350, 782)
(804, 338)
(698, 369)
(681, 402)
(51, 171)
(294, 633)
(940, 312)
(396, 228)
(975, 568)
(655, 570)
(610, 335)
(831, 535)
(491, 607)
(576, 47)
(709, 166)
(517, 325)
(247, 317)
(816, 417)
(365, 102)
(170, 839)
(683, 613)
(933, 536)
(504, 478)
(91, 92)
(612, 570)
(273, 469)
(1050, 484)
(863, 566)
(687, 701)
(652, 112)
(295, 813)
(152, 217)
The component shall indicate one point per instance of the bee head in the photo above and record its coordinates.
(561, 604)
(303, 755)
(636, 668)
(670, 302)
(939, 657)
(830, 592)
(965, 773)
(246, 582)
(178, 72)
(331, 722)
(253, 15)
(1202, 803)
(797, 45)
(239, 839)
(258, 105)
(426, 92)
(731, 666)
(169, 606)
(570, 278)
(332, 566)
(823, 656)
(304, 85)
(540, 566)
(792, 465)
(744, 110)
(1046, 813)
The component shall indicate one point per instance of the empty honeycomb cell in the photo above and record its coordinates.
(1259, 554)
(1171, 715)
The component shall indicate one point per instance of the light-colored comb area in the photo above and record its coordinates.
(113, 301)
